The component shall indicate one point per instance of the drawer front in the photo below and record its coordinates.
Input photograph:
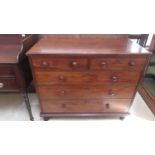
(50, 78)
(85, 106)
(117, 63)
(66, 64)
(6, 71)
(75, 92)
(8, 84)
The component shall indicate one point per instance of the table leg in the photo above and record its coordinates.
(28, 106)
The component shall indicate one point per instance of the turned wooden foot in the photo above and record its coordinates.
(28, 106)
(122, 118)
(46, 118)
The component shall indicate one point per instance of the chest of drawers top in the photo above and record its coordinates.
(108, 45)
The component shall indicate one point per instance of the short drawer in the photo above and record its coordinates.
(6, 71)
(85, 106)
(57, 63)
(8, 84)
(50, 78)
(81, 91)
(124, 63)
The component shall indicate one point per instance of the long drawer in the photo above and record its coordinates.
(86, 106)
(50, 78)
(86, 91)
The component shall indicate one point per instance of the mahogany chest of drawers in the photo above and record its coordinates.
(87, 76)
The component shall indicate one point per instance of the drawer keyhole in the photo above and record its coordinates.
(63, 105)
(107, 105)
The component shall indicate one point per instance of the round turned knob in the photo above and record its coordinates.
(61, 78)
(45, 63)
(74, 64)
(107, 105)
(1, 85)
(111, 93)
(102, 63)
(114, 78)
(132, 63)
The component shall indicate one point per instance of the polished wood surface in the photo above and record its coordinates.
(10, 48)
(86, 46)
(83, 36)
(79, 75)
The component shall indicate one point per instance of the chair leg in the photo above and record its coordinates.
(28, 106)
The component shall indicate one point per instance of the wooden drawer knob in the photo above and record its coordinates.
(114, 78)
(45, 63)
(132, 63)
(74, 64)
(1, 85)
(61, 78)
(103, 63)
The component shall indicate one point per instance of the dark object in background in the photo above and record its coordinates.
(15, 73)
